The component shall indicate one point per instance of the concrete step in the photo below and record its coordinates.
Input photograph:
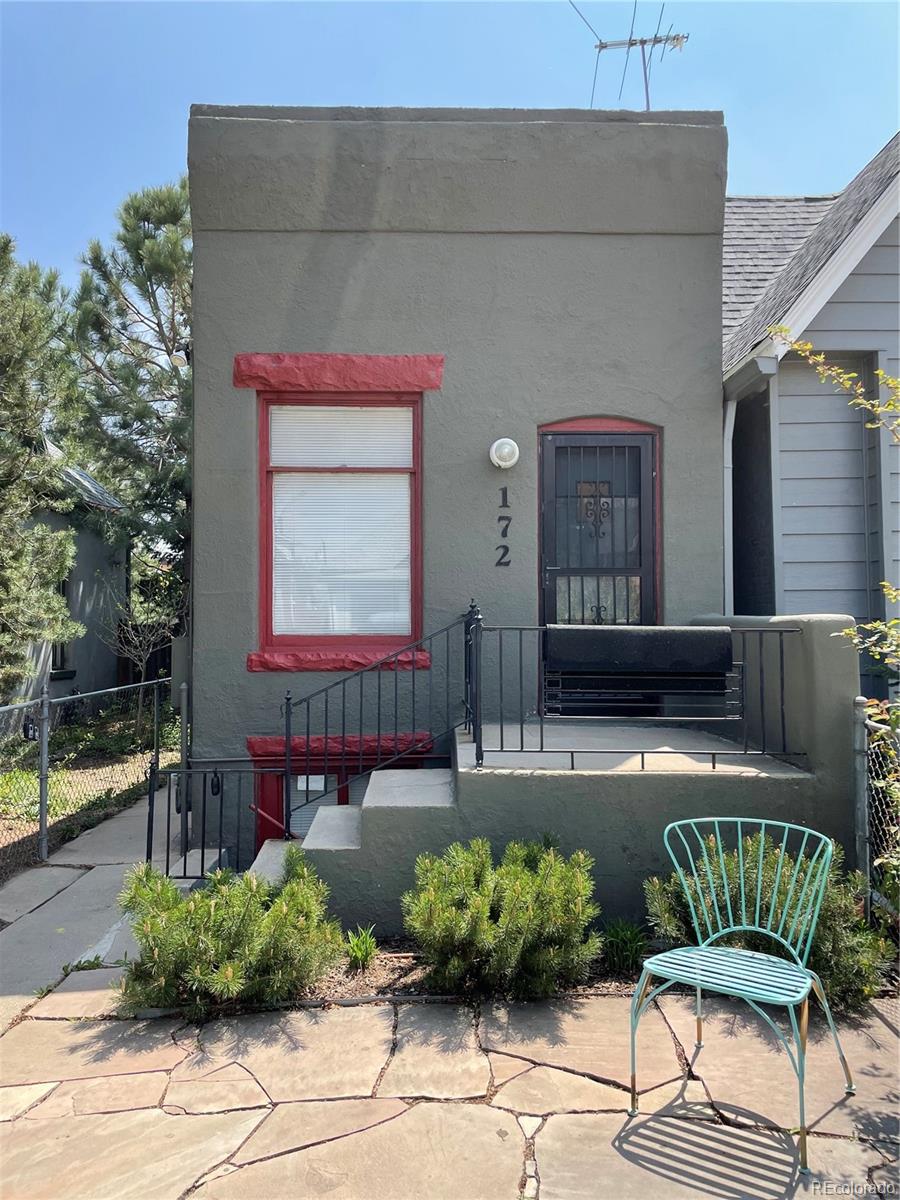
(191, 863)
(336, 828)
(269, 862)
(425, 788)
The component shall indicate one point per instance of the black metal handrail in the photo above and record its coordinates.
(354, 726)
(513, 689)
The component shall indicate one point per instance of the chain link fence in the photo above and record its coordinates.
(68, 763)
(883, 817)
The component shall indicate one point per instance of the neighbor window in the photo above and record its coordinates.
(340, 520)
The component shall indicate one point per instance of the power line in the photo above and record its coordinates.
(628, 51)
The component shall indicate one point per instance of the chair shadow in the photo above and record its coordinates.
(710, 1159)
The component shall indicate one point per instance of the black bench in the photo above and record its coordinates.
(639, 671)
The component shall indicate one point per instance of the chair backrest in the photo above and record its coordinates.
(741, 874)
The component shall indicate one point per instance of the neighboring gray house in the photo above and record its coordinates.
(816, 495)
(442, 354)
(86, 663)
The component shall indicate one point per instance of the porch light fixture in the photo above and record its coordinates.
(504, 453)
(181, 355)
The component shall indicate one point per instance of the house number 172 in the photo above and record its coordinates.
(504, 521)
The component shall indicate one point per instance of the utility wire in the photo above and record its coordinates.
(628, 51)
(662, 9)
(586, 21)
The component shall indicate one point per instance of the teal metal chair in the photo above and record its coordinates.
(725, 866)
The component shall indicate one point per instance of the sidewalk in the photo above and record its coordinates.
(66, 910)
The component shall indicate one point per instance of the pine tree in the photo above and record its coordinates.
(34, 379)
(132, 312)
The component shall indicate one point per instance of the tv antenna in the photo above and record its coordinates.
(670, 41)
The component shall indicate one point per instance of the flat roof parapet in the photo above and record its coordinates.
(518, 116)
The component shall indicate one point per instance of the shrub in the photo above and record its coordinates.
(361, 947)
(624, 946)
(846, 954)
(520, 928)
(236, 939)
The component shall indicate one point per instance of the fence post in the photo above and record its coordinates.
(156, 687)
(861, 793)
(184, 781)
(44, 771)
(288, 704)
(478, 630)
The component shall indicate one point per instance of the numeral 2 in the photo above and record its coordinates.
(503, 556)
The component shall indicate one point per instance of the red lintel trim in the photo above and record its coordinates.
(339, 658)
(339, 372)
(599, 425)
(272, 746)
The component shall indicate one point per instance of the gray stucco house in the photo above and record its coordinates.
(816, 510)
(87, 663)
(443, 354)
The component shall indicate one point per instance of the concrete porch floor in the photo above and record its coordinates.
(408, 1101)
(592, 746)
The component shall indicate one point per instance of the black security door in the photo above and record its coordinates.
(597, 529)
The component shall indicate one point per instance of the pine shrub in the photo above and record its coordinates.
(848, 956)
(237, 939)
(520, 928)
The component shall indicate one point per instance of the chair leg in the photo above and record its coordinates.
(801, 1077)
(820, 994)
(637, 1000)
(699, 1019)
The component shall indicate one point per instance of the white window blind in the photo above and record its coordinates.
(341, 554)
(340, 436)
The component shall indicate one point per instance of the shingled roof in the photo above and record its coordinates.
(769, 262)
(762, 234)
(85, 487)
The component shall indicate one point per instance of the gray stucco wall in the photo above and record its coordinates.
(565, 265)
(98, 566)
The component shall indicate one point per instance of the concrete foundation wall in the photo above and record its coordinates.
(564, 265)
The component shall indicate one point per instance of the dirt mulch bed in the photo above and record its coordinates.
(398, 970)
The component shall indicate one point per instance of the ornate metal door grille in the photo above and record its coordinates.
(597, 529)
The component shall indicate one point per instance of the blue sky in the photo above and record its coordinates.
(94, 97)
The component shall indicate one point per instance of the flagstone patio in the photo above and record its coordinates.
(430, 1101)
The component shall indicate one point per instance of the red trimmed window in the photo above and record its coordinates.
(340, 555)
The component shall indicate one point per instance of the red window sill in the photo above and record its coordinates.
(346, 658)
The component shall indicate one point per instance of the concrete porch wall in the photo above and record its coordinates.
(618, 815)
